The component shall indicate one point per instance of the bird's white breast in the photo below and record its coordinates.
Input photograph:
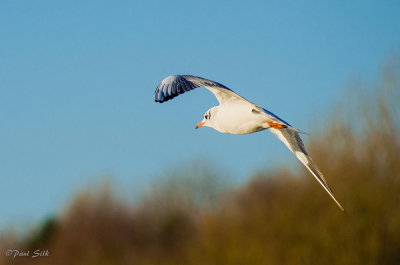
(238, 119)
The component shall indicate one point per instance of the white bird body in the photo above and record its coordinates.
(236, 115)
(225, 120)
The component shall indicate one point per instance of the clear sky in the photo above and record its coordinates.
(77, 80)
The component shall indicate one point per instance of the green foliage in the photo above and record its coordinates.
(43, 235)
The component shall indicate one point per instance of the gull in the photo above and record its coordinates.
(236, 115)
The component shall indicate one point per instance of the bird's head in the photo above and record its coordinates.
(206, 120)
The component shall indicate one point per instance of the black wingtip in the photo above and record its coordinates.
(172, 86)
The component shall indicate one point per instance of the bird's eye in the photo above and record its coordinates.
(206, 116)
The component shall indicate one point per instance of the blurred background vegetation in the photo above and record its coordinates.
(195, 217)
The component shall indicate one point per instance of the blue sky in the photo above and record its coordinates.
(77, 80)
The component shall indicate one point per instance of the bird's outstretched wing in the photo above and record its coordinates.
(174, 85)
(292, 140)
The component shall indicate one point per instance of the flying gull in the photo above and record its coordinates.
(236, 115)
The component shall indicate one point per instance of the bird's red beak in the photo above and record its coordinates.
(199, 125)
